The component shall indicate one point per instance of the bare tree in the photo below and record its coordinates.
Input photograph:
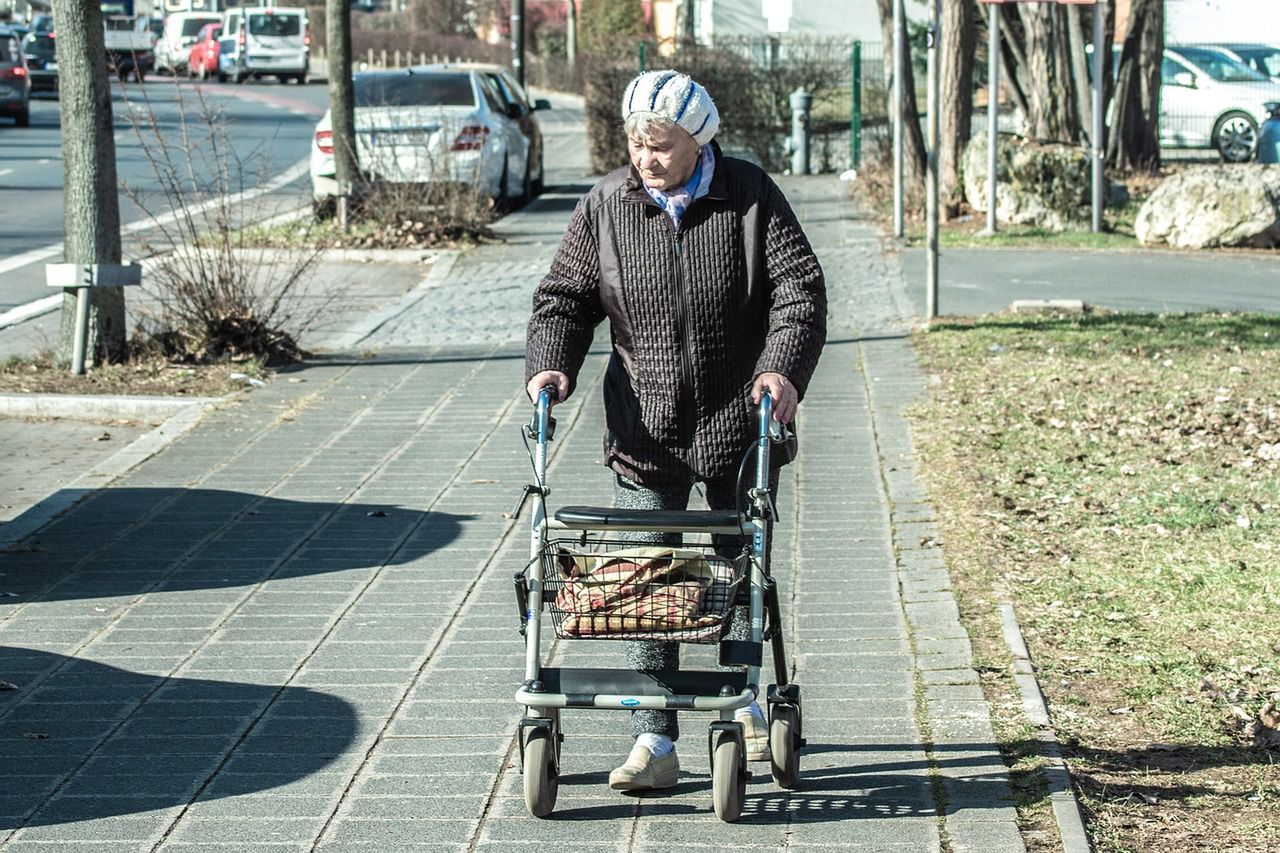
(913, 144)
(91, 217)
(1052, 108)
(958, 44)
(342, 103)
(1135, 131)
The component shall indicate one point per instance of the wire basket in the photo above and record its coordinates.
(621, 591)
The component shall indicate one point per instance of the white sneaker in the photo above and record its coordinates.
(755, 736)
(642, 772)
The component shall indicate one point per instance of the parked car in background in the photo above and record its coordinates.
(180, 31)
(15, 81)
(202, 61)
(40, 50)
(1263, 58)
(1209, 100)
(467, 124)
(259, 41)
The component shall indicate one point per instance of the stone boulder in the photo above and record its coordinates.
(1207, 206)
(1037, 183)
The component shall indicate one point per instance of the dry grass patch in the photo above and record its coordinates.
(1118, 478)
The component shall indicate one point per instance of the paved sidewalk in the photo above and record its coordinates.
(293, 628)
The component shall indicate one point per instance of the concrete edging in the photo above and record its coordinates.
(1062, 797)
(87, 407)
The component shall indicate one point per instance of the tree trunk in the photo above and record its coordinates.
(913, 142)
(1134, 144)
(342, 104)
(1013, 60)
(956, 53)
(91, 216)
(1078, 62)
(1051, 97)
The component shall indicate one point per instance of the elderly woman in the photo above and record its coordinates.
(713, 295)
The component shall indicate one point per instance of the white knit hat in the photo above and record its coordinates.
(676, 96)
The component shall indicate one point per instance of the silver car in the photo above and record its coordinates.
(1209, 100)
(459, 123)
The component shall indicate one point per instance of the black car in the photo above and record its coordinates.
(15, 81)
(40, 48)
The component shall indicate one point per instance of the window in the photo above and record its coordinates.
(192, 26)
(414, 90)
(493, 94)
(1169, 70)
(8, 49)
(278, 26)
(1219, 66)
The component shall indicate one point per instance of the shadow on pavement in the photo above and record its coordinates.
(130, 541)
(92, 741)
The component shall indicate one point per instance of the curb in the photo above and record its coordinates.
(97, 408)
(1062, 797)
(179, 417)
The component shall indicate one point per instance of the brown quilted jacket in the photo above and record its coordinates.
(695, 316)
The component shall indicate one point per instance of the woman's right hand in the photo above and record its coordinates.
(549, 377)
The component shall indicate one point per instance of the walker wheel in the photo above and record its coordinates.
(541, 773)
(784, 745)
(728, 776)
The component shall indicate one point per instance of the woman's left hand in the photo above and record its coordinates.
(785, 397)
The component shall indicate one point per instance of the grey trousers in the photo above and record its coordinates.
(658, 654)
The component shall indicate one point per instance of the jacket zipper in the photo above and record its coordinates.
(685, 358)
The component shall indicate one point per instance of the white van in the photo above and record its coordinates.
(259, 41)
(174, 44)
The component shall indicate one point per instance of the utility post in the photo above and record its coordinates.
(899, 71)
(931, 165)
(571, 32)
(517, 40)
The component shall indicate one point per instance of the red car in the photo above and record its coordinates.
(203, 58)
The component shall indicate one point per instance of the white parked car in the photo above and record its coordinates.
(462, 123)
(1209, 100)
(180, 30)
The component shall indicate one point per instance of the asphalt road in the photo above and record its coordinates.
(981, 281)
(265, 145)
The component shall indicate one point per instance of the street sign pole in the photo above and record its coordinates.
(1098, 136)
(993, 111)
(931, 172)
(899, 69)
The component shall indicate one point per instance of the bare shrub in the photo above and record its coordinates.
(417, 215)
(211, 293)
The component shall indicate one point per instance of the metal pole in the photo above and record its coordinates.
(899, 64)
(643, 60)
(931, 172)
(1099, 144)
(517, 40)
(571, 31)
(993, 110)
(81, 340)
(855, 109)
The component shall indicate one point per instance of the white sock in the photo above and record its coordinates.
(752, 710)
(657, 744)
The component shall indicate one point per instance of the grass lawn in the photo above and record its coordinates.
(1117, 477)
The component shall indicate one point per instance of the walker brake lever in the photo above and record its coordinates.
(531, 429)
(529, 489)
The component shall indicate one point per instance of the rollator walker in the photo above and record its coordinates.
(597, 587)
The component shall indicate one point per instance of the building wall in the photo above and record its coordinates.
(831, 18)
